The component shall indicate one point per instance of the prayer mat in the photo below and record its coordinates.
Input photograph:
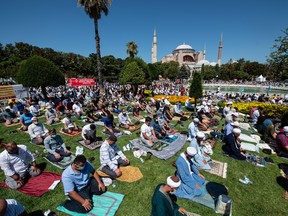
(249, 147)
(118, 135)
(133, 128)
(210, 193)
(99, 123)
(218, 168)
(265, 146)
(247, 138)
(38, 185)
(171, 131)
(176, 118)
(245, 126)
(91, 146)
(104, 205)
(129, 174)
(12, 124)
(162, 150)
(74, 133)
(191, 214)
(168, 139)
(256, 160)
(62, 164)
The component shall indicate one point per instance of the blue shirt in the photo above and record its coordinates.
(74, 181)
(26, 119)
(108, 122)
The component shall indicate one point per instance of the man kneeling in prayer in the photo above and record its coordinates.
(79, 186)
(191, 179)
(163, 200)
(111, 157)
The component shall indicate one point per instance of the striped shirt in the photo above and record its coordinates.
(14, 208)
(109, 155)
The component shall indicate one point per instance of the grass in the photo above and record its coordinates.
(263, 197)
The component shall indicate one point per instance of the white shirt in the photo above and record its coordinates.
(68, 122)
(37, 130)
(16, 163)
(77, 107)
(86, 130)
(34, 109)
(192, 130)
(146, 129)
(255, 116)
(123, 119)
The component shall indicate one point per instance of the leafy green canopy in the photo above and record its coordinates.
(37, 71)
(132, 74)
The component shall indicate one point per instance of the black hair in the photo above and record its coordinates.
(79, 159)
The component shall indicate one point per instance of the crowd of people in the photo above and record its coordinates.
(80, 179)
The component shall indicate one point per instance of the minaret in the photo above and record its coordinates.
(204, 52)
(220, 51)
(154, 48)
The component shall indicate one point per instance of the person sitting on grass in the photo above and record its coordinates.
(51, 115)
(282, 142)
(189, 175)
(69, 124)
(18, 165)
(178, 110)
(163, 200)
(111, 157)
(136, 112)
(148, 135)
(149, 108)
(109, 125)
(79, 186)
(9, 117)
(160, 133)
(77, 109)
(89, 133)
(11, 207)
(55, 147)
(34, 109)
(13, 109)
(37, 131)
(25, 120)
(201, 159)
(232, 145)
(124, 120)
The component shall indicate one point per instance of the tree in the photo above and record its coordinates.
(171, 69)
(196, 88)
(39, 72)
(278, 58)
(132, 49)
(132, 74)
(184, 72)
(94, 8)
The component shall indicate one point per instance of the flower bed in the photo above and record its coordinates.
(173, 98)
(270, 109)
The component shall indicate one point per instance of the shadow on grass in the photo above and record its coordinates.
(215, 189)
(283, 182)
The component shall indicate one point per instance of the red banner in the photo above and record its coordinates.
(81, 82)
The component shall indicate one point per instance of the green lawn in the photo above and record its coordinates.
(261, 198)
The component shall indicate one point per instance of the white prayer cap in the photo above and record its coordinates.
(173, 184)
(208, 104)
(236, 124)
(200, 134)
(235, 114)
(191, 151)
(204, 103)
(229, 103)
(285, 129)
(34, 118)
(158, 99)
(196, 120)
(236, 131)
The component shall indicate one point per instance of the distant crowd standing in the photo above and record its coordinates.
(80, 179)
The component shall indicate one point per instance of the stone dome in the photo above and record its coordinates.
(184, 47)
(205, 62)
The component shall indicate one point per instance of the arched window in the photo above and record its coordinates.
(187, 58)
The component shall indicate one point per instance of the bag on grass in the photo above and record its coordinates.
(224, 205)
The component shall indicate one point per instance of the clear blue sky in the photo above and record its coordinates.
(249, 27)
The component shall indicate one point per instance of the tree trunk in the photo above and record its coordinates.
(135, 89)
(44, 92)
(98, 68)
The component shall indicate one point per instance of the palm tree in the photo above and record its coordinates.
(132, 49)
(94, 9)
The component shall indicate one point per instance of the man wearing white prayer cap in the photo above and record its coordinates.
(163, 200)
(282, 142)
(228, 128)
(232, 145)
(193, 129)
(201, 159)
(187, 172)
